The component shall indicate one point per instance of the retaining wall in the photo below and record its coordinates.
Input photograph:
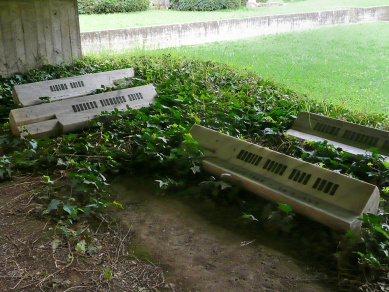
(152, 37)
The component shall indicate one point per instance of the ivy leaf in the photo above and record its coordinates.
(33, 144)
(61, 162)
(162, 183)
(249, 216)
(352, 235)
(269, 131)
(163, 139)
(118, 205)
(69, 209)
(223, 185)
(47, 179)
(380, 230)
(107, 273)
(80, 247)
(195, 169)
(285, 207)
(53, 205)
(82, 188)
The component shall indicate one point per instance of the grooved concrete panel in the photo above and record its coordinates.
(152, 37)
(37, 32)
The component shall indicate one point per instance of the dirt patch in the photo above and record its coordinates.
(204, 246)
(162, 242)
(37, 255)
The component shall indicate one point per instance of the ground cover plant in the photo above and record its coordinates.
(164, 17)
(323, 64)
(75, 169)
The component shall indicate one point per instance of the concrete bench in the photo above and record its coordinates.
(64, 88)
(330, 198)
(352, 138)
(51, 119)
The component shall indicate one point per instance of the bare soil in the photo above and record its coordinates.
(205, 246)
(37, 254)
(160, 242)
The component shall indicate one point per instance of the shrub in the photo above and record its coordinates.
(204, 5)
(85, 6)
(111, 6)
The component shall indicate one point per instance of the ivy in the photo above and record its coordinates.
(76, 168)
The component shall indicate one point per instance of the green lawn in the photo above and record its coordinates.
(160, 17)
(345, 65)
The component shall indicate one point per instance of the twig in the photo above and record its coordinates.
(84, 271)
(121, 243)
(51, 275)
(12, 288)
(14, 199)
(75, 287)
(80, 155)
(101, 222)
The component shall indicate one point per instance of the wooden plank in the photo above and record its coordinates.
(75, 114)
(3, 62)
(330, 198)
(17, 31)
(29, 33)
(57, 89)
(65, 34)
(352, 138)
(56, 32)
(40, 29)
(74, 30)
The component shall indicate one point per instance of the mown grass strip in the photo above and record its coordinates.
(345, 65)
(163, 17)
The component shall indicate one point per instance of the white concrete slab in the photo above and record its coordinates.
(330, 198)
(64, 88)
(69, 115)
(352, 138)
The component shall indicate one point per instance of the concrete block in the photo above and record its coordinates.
(75, 114)
(64, 88)
(352, 138)
(330, 198)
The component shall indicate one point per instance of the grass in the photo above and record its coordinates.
(345, 65)
(161, 17)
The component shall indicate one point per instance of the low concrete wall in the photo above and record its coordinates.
(152, 37)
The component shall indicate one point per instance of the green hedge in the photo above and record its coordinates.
(111, 6)
(204, 5)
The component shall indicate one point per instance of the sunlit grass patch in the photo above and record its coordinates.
(346, 65)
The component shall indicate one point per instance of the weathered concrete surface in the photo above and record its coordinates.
(330, 198)
(152, 37)
(37, 32)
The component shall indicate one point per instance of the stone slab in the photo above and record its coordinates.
(75, 114)
(330, 198)
(64, 88)
(352, 138)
